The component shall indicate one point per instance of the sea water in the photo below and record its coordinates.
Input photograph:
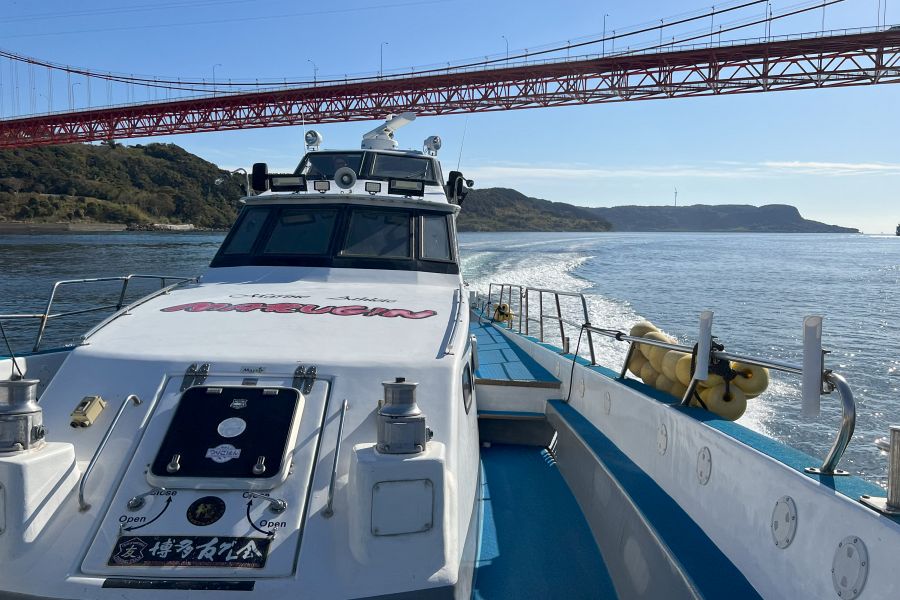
(760, 287)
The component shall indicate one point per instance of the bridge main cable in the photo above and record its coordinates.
(844, 59)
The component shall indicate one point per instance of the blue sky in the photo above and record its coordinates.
(832, 153)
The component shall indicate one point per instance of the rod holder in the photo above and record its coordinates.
(891, 504)
(813, 366)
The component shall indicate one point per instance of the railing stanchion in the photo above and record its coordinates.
(526, 311)
(541, 309)
(628, 355)
(562, 329)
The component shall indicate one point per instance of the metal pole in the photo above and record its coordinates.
(562, 330)
(526, 311)
(381, 58)
(604, 34)
(507, 49)
(214, 77)
(893, 491)
(541, 309)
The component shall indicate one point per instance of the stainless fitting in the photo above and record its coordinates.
(891, 504)
(21, 419)
(401, 424)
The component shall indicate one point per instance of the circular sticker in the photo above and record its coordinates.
(206, 510)
(232, 427)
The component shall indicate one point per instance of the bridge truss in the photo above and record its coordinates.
(818, 61)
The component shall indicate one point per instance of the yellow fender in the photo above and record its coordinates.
(730, 405)
(648, 374)
(636, 363)
(751, 379)
(502, 313)
(683, 370)
(642, 328)
(669, 361)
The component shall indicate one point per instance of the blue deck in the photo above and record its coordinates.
(535, 541)
(500, 361)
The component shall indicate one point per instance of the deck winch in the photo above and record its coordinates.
(21, 419)
(401, 424)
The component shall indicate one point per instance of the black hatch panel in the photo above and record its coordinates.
(228, 432)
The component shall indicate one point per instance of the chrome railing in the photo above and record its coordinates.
(516, 307)
(522, 314)
(561, 321)
(46, 316)
(830, 381)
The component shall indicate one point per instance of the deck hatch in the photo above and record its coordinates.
(224, 434)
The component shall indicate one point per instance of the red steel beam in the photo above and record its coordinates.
(817, 62)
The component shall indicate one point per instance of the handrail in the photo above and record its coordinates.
(457, 317)
(82, 505)
(845, 433)
(47, 315)
(831, 380)
(558, 317)
(328, 511)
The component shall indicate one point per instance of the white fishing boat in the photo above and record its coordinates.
(328, 412)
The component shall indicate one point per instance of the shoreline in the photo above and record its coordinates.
(23, 228)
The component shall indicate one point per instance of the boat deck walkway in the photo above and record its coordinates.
(535, 541)
(501, 362)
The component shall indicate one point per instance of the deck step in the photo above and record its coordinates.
(502, 363)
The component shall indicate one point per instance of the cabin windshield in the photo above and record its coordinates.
(329, 235)
(322, 165)
(389, 166)
(370, 165)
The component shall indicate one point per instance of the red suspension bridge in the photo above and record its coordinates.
(835, 59)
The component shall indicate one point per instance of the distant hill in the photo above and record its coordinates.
(501, 209)
(155, 183)
(771, 218)
(80, 184)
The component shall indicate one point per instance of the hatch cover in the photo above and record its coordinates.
(228, 432)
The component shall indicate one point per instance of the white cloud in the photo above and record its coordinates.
(833, 168)
(717, 170)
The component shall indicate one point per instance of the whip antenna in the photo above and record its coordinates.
(463, 142)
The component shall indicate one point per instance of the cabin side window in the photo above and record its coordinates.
(436, 238)
(467, 387)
